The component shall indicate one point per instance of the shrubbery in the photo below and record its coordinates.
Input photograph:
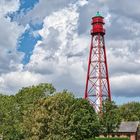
(112, 138)
(40, 113)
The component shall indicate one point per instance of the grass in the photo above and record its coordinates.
(117, 138)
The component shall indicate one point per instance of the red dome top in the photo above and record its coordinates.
(97, 24)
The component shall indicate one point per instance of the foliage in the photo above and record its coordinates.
(110, 117)
(12, 107)
(28, 95)
(130, 111)
(39, 113)
(112, 138)
(116, 138)
(8, 115)
(61, 117)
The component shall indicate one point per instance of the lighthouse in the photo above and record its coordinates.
(97, 82)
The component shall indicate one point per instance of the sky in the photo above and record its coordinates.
(48, 41)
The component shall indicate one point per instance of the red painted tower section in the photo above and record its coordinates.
(97, 83)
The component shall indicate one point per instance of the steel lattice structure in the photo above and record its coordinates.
(97, 83)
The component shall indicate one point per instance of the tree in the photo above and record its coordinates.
(110, 117)
(12, 108)
(28, 95)
(130, 111)
(60, 116)
(8, 115)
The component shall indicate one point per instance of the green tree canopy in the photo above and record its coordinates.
(12, 108)
(8, 118)
(30, 94)
(110, 117)
(39, 113)
(61, 117)
(130, 111)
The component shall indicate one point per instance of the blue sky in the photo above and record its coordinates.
(48, 41)
(27, 37)
(24, 5)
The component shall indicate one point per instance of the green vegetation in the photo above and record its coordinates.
(40, 113)
(60, 117)
(130, 111)
(110, 118)
(110, 139)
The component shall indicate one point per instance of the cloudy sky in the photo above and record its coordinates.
(48, 41)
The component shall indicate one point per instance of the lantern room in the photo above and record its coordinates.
(97, 24)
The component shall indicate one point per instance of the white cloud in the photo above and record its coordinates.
(108, 19)
(123, 56)
(56, 64)
(39, 12)
(12, 81)
(10, 58)
(103, 1)
(62, 54)
(10, 31)
(82, 2)
(126, 85)
(8, 6)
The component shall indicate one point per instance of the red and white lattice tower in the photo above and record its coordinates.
(97, 83)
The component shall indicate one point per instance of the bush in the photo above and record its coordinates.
(112, 138)
(109, 139)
